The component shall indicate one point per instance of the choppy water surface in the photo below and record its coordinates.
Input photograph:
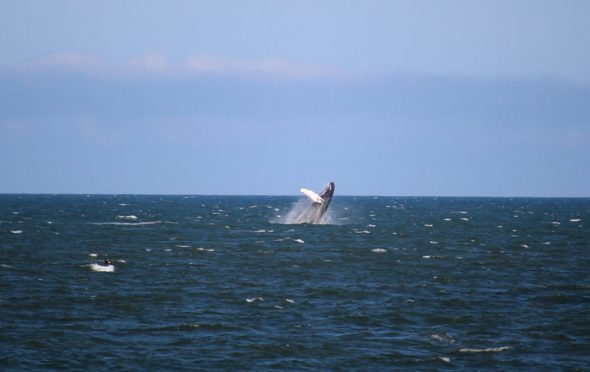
(205, 282)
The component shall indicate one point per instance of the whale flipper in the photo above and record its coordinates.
(312, 195)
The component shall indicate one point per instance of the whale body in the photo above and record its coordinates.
(319, 205)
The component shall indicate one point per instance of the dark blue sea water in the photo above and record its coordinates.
(216, 282)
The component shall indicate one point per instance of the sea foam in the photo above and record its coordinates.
(487, 350)
(103, 268)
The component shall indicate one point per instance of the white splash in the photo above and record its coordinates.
(303, 210)
(488, 350)
(128, 218)
(103, 268)
(126, 223)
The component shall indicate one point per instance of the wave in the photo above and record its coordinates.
(487, 350)
(130, 217)
(103, 268)
(127, 223)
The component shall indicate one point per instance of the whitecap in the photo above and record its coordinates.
(524, 245)
(464, 219)
(556, 223)
(379, 250)
(93, 255)
(16, 231)
(103, 268)
(183, 246)
(298, 241)
(446, 219)
(428, 225)
(205, 249)
(426, 256)
(442, 338)
(254, 299)
(445, 359)
(433, 242)
(487, 350)
(575, 220)
(371, 225)
(126, 223)
(129, 217)
(289, 300)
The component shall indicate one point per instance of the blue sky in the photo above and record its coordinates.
(454, 98)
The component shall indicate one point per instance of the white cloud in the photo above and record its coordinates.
(157, 65)
(270, 67)
(150, 63)
(72, 61)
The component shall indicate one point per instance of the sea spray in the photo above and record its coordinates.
(303, 211)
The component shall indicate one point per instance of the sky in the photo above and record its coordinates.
(408, 98)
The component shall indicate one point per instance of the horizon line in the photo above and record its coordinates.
(296, 195)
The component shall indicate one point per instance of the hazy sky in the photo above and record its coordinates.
(451, 98)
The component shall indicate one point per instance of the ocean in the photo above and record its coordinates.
(223, 283)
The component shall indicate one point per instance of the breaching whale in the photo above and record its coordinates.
(319, 205)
